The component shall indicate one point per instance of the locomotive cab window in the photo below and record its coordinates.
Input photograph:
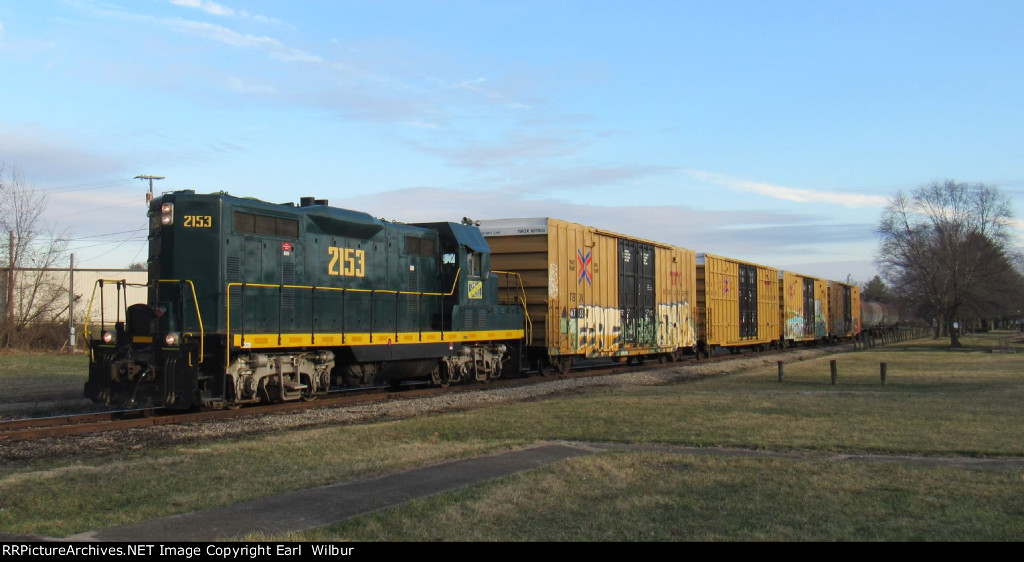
(473, 263)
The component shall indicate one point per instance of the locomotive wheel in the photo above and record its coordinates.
(307, 394)
(441, 377)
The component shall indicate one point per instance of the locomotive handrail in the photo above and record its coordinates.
(199, 317)
(92, 298)
(314, 288)
(124, 283)
(522, 299)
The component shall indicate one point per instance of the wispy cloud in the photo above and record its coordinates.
(243, 86)
(593, 176)
(274, 47)
(216, 9)
(514, 148)
(206, 6)
(797, 195)
(49, 156)
(765, 236)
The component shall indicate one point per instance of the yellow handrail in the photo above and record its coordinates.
(199, 317)
(119, 282)
(522, 299)
(92, 298)
(227, 325)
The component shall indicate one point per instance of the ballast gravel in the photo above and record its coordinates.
(392, 409)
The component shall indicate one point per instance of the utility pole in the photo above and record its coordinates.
(10, 290)
(71, 306)
(149, 196)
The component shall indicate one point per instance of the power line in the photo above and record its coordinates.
(87, 186)
(93, 237)
(108, 252)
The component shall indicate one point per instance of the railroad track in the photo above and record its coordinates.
(32, 429)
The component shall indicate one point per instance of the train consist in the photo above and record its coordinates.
(252, 302)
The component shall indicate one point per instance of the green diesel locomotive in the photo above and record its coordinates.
(250, 302)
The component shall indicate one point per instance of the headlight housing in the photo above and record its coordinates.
(172, 339)
(108, 337)
(167, 214)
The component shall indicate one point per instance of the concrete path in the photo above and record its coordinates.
(306, 509)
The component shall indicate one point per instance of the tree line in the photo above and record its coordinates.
(947, 250)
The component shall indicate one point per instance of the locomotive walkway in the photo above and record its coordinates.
(316, 507)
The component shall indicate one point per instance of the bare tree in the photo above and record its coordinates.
(945, 246)
(31, 250)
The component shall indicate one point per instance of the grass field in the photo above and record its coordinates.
(38, 370)
(936, 403)
(36, 384)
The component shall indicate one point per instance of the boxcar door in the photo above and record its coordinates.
(645, 300)
(808, 307)
(627, 289)
(748, 301)
(847, 310)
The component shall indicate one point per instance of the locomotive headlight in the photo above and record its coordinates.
(108, 337)
(172, 339)
(167, 214)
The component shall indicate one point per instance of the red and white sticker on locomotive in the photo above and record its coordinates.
(286, 248)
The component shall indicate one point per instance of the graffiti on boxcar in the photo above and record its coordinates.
(794, 324)
(676, 325)
(592, 330)
(596, 330)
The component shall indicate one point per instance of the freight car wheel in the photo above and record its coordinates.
(563, 365)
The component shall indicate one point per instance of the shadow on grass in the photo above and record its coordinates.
(986, 343)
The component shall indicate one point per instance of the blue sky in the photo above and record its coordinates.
(766, 131)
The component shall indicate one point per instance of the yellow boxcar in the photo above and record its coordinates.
(737, 304)
(803, 305)
(594, 293)
(843, 310)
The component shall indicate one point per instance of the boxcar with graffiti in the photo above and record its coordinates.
(803, 305)
(594, 293)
